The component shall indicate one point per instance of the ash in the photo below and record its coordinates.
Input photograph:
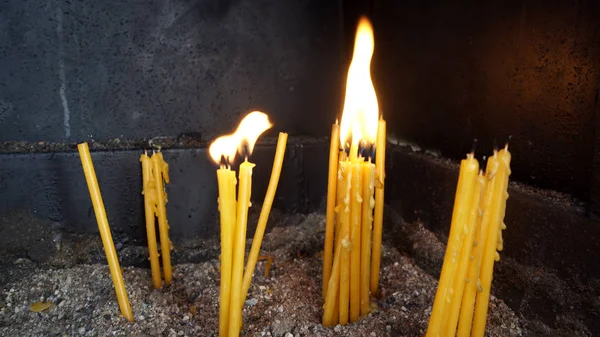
(286, 303)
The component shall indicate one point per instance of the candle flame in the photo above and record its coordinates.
(247, 133)
(361, 110)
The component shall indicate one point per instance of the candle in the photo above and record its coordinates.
(331, 201)
(104, 229)
(227, 209)
(366, 227)
(467, 178)
(344, 296)
(497, 209)
(339, 194)
(239, 248)
(264, 212)
(355, 239)
(379, 193)
(460, 277)
(161, 172)
(473, 284)
(331, 300)
(149, 192)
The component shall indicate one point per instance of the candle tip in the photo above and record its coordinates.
(507, 142)
(474, 146)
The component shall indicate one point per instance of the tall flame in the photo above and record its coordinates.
(250, 128)
(361, 110)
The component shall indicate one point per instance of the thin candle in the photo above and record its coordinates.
(379, 200)
(264, 212)
(239, 248)
(104, 229)
(331, 201)
(161, 173)
(355, 239)
(227, 210)
(366, 227)
(344, 297)
(490, 254)
(149, 192)
(329, 313)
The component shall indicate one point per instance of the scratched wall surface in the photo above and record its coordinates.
(80, 70)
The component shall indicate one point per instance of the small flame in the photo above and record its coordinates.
(361, 110)
(250, 128)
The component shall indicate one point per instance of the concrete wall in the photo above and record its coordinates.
(80, 70)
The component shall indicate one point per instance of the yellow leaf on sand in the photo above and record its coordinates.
(40, 306)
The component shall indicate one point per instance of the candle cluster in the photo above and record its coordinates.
(235, 281)
(355, 190)
(155, 173)
(475, 238)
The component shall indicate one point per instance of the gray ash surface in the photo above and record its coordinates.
(286, 303)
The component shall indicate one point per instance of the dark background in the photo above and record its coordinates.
(445, 72)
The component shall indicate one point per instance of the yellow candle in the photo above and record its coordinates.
(239, 248)
(104, 229)
(161, 172)
(467, 178)
(264, 212)
(227, 210)
(149, 192)
(366, 227)
(339, 195)
(473, 284)
(344, 296)
(490, 254)
(379, 193)
(460, 278)
(331, 200)
(331, 299)
(355, 232)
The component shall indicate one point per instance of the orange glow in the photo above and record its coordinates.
(361, 110)
(250, 128)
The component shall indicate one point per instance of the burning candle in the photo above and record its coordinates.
(354, 192)
(234, 215)
(161, 176)
(467, 179)
(499, 179)
(227, 204)
(239, 248)
(264, 212)
(331, 201)
(104, 228)
(149, 192)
